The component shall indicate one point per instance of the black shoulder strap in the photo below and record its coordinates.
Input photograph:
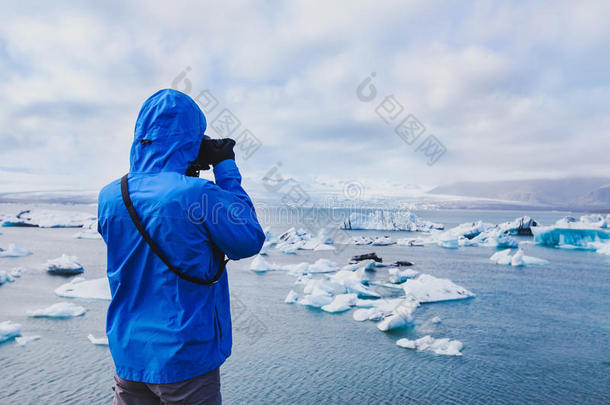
(155, 248)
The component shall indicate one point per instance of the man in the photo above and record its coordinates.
(169, 324)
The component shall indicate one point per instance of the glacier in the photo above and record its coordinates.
(444, 346)
(384, 220)
(96, 289)
(43, 218)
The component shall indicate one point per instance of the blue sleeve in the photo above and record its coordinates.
(230, 216)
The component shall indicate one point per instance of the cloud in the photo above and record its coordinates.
(512, 89)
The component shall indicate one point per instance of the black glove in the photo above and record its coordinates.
(211, 152)
(219, 150)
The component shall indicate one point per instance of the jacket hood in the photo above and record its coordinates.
(168, 133)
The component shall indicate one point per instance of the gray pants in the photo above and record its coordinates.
(201, 390)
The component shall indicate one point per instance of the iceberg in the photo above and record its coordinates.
(427, 288)
(401, 315)
(383, 241)
(501, 257)
(398, 276)
(292, 297)
(5, 278)
(374, 310)
(59, 310)
(317, 301)
(103, 341)
(9, 330)
(411, 242)
(444, 346)
(341, 303)
(260, 265)
(64, 265)
(24, 340)
(575, 236)
(89, 231)
(96, 289)
(49, 219)
(322, 266)
(385, 220)
(14, 251)
(292, 240)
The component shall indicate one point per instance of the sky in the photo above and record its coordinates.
(508, 89)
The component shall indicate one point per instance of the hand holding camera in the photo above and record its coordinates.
(211, 152)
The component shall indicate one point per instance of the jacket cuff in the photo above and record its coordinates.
(224, 168)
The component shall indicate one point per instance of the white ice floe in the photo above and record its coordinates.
(383, 241)
(260, 265)
(59, 310)
(64, 265)
(383, 220)
(398, 275)
(49, 219)
(319, 266)
(14, 251)
(24, 340)
(317, 301)
(401, 315)
(516, 260)
(103, 341)
(291, 298)
(88, 231)
(9, 330)
(298, 239)
(5, 278)
(427, 288)
(341, 303)
(375, 310)
(411, 241)
(361, 240)
(96, 289)
(17, 271)
(444, 346)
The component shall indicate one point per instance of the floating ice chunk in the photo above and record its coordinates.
(287, 248)
(323, 266)
(516, 260)
(435, 319)
(265, 248)
(601, 247)
(292, 297)
(14, 251)
(383, 241)
(64, 265)
(5, 278)
(49, 219)
(448, 243)
(260, 265)
(16, 272)
(361, 240)
(374, 310)
(383, 220)
(570, 237)
(24, 340)
(9, 330)
(341, 303)
(401, 315)
(427, 288)
(398, 276)
(103, 341)
(411, 242)
(357, 287)
(96, 289)
(444, 346)
(59, 310)
(88, 231)
(501, 257)
(302, 279)
(317, 301)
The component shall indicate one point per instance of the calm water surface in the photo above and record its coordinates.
(531, 335)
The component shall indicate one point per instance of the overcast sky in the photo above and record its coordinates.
(512, 90)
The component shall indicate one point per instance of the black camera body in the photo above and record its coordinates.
(205, 156)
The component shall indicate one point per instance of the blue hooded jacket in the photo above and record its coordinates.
(162, 328)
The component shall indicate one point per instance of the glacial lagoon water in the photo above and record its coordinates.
(532, 335)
